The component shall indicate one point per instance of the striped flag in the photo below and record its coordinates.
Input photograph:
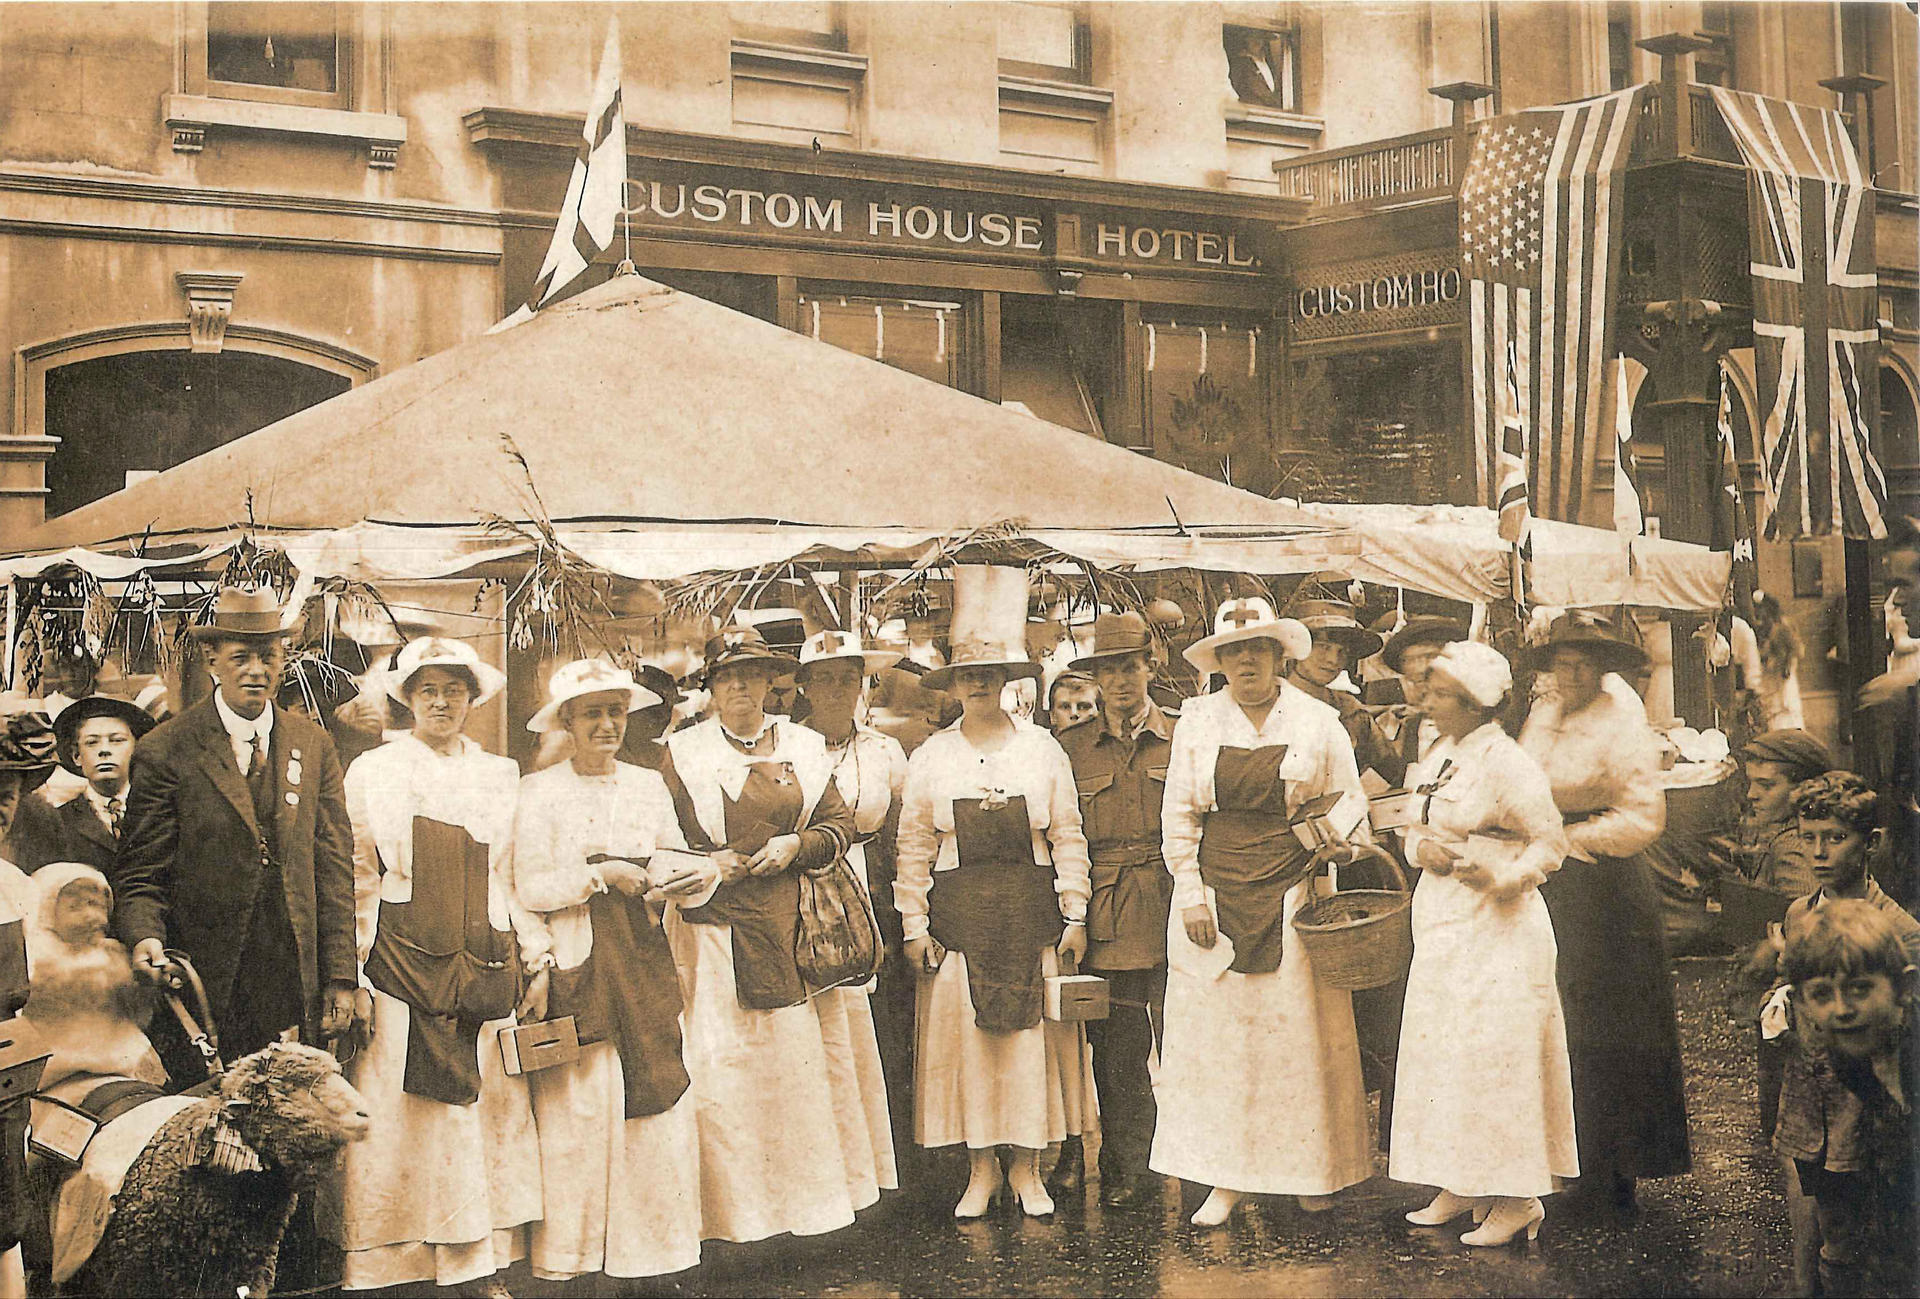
(1514, 504)
(1733, 529)
(1539, 241)
(1627, 515)
(1815, 299)
(592, 206)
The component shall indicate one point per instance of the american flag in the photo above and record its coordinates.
(594, 191)
(1815, 298)
(1539, 240)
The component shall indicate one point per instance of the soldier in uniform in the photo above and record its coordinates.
(1120, 766)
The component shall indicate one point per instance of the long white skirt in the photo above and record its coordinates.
(772, 1158)
(859, 1092)
(1029, 1088)
(622, 1195)
(1483, 1095)
(441, 1191)
(1259, 1087)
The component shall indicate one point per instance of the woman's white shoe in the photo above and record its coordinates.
(1219, 1206)
(1447, 1206)
(1511, 1216)
(1024, 1179)
(983, 1184)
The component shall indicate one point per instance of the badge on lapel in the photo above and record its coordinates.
(293, 769)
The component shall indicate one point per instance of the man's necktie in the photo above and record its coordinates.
(256, 756)
(116, 812)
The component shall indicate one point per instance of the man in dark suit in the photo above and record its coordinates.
(94, 738)
(236, 847)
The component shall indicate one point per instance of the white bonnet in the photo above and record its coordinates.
(1481, 670)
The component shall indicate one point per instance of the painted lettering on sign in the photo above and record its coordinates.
(1422, 288)
(874, 220)
(1171, 244)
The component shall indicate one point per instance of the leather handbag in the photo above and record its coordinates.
(838, 940)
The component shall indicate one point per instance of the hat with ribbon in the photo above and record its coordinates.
(1802, 755)
(1115, 634)
(242, 613)
(1249, 618)
(449, 655)
(66, 727)
(732, 646)
(1480, 670)
(1334, 620)
(842, 646)
(989, 624)
(27, 747)
(1593, 636)
(1425, 629)
(584, 677)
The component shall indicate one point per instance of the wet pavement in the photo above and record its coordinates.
(1719, 1231)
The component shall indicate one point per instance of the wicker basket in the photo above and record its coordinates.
(1361, 938)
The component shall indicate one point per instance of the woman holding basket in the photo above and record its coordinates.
(1483, 1097)
(1259, 1087)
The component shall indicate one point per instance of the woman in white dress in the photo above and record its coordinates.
(1259, 1086)
(619, 1156)
(757, 792)
(446, 1192)
(870, 769)
(1483, 1094)
(992, 890)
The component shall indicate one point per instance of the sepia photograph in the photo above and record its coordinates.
(913, 648)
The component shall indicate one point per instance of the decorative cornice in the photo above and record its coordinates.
(512, 127)
(209, 306)
(342, 357)
(136, 191)
(280, 243)
(189, 117)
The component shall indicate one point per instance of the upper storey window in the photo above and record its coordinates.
(293, 51)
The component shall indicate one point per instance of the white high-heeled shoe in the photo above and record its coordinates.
(1218, 1207)
(1447, 1206)
(983, 1188)
(1511, 1216)
(1024, 1180)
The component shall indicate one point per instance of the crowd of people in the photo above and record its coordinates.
(659, 889)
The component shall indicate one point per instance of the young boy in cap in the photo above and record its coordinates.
(94, 740)
(1768, 851)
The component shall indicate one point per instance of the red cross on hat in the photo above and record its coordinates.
(1239, 615)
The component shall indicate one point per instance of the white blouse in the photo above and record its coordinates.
(947, 767)
(1319, 761)
(1603, 760)
(871, 774)
(563, 819)
(387, 787)
(1489, 786)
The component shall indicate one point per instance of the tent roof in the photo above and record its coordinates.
(634, 402)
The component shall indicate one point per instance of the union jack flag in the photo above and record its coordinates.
(1515, 507)
(1539, 241)
(1815, 299)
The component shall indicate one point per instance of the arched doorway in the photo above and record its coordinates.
(1898, 449)
(127, 414)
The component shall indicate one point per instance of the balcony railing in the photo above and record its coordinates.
(1405, 169)
(1413, 168)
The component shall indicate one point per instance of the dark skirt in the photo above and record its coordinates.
(1616, 990)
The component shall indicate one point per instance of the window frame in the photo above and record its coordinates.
(1079, 72)
(1295, 102)
(346, 41)
(806, 37)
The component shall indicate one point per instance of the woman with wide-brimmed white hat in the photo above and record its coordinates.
(619, 1151)
(757, 792)
(869, 770)
(1259, 1087)
(1483, 1095)
(432, 816)
(992, 890)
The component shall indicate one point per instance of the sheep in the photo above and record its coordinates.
(185, 1223)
